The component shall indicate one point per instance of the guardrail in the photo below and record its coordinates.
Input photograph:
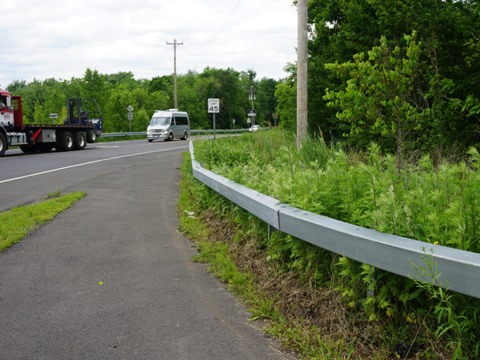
(140, 133)
(459, 270)
(193, 132)
(220, 131)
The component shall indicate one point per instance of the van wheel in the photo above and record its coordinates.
(170, 137)
(150, 140)
(184, 136)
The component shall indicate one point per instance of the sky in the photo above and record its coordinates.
(61, 39)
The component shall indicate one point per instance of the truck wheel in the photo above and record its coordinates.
(91, 136)
(80, 140)
(3, 144)
(65, 142)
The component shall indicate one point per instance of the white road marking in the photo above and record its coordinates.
(87, 163)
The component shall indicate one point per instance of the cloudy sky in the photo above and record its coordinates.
(61, 39)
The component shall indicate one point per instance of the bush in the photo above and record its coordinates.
(435, 203)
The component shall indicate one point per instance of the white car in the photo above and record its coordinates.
(254, 128)
(168, 125)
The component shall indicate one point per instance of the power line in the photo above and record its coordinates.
(201, 18)
(227, 19)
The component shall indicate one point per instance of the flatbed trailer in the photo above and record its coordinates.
(77, 130)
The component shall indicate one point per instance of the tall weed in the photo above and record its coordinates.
(431, 201)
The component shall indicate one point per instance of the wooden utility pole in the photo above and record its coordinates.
(175, 44)
(302, 73)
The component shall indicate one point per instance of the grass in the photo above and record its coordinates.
(211, 252)
(234, 258)
(214, 252)
(17, 223)
(434, 201)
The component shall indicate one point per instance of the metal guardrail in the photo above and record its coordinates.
(219, 131)
(458, 270)
(193, 132)
(140, 133)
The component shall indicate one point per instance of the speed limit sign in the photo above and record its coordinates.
(213, 106)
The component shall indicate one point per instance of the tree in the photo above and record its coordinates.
(266, 100)
(55, 103)
(448, 31)
(224, 84)
(384, 99)
(338, 30)
(191, 101)
(163, 84)
(16, 86)
(115, 110)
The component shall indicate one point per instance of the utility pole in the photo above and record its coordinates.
(252, 98)
(302, 73)
(175, 44)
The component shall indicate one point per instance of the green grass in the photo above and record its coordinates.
(17, 223)
(432, 201)
(218, 253)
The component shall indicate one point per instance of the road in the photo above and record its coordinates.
(24, 178)
(112, 278)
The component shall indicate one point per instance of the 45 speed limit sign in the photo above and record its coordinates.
(213, 106)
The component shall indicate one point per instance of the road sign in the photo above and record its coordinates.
(251, 113)
(213, 106)
(130, 108)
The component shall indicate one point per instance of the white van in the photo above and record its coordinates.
(168, 125)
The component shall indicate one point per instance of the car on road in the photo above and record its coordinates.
(168, 125)
(254, 128)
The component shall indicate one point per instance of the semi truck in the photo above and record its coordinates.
(84, 123)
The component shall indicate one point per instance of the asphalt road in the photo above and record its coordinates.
(112, 278)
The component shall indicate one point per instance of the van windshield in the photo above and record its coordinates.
(159, 121)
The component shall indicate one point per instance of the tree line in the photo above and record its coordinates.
(115, 92)
(403, 74)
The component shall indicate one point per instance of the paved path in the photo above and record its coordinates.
(112, 278)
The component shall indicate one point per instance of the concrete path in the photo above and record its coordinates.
(112, 278)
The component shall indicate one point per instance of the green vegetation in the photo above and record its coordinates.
(432, 201)
(429, 201)
(17, 223)
(233, 256)
(404, 74)
(394, 122)
(115, 92)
